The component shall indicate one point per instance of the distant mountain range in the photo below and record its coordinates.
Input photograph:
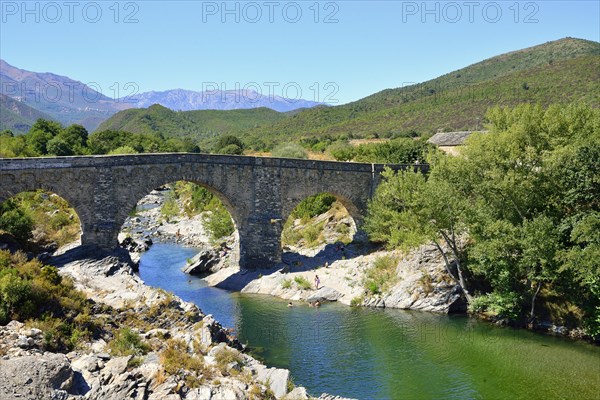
(187, 100)
(70, 101)
(559, 72)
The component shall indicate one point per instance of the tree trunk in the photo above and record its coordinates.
(532, 313)
(460, 281)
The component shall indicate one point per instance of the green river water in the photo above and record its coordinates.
(388, 354)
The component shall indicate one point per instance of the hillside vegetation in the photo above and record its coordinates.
(518, 211)
(558, 72)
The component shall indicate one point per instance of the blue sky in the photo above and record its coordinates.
(337, 51)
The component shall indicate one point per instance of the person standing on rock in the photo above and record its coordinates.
(317, 282)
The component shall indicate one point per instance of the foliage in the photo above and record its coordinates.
(170, 208)
(302, 283)
(381, 277)
(176, 358)
(15, 220)
(289, 150)
(127, 343)
(218, 222)
(225, 356)
(526, 195)
(286, 284)
(229, 144)
(314, 205)
(30, 290)
(48, 214)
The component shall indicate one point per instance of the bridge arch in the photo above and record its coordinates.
(257, 191)
(230, 208)
(54, 217)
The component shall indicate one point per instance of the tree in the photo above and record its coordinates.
(289, 150)
(59, 147)
(408, 210)
(228, 142)
(15, 220)
(75, 136)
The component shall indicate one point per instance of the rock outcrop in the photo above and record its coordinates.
(206, 261)
(422, 282)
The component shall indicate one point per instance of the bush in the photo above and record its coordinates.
(170, 208)
(302, 283)
(286, 284)
(218, 222)
(226, 356)
(382, 276)
(15, 220)
(342, 151)
(507, 305)
(289, 150)
(314, 205)
(127, 343)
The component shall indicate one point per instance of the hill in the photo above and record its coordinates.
(556, 72)
(561, 71)
(16, 116)
(198, 124)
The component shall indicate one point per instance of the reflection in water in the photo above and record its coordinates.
(380, 354)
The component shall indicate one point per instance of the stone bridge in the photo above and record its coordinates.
(260, 193)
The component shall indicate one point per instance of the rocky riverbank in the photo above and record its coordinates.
(208, 364)
(420, 281)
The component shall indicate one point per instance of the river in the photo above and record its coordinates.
(387, 354)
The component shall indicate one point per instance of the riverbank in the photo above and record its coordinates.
(210, 362)
(350, 274)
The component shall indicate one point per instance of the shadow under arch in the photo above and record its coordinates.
(58, 218)
(330, 250)
(229, 206)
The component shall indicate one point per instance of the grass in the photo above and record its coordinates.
(176, 358)
(382, 275)
(127, 343)
(302, 283)
(286, 284)
(225, 356)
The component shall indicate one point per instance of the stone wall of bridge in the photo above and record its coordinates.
(260, 193)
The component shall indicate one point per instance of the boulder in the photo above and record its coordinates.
(35, 377)
(277, 378)
(202, 263)
(325, 294)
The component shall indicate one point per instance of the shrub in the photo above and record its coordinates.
(226, 356)
(170, 208)
(218, 222)
(302, 283)
(286, 284)
(127, 343)
(15, 220)
(382, 275)
(289, 150)
(314, 205)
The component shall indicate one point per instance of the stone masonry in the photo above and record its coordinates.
(259, 192)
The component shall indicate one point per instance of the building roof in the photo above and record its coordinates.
(449, 138)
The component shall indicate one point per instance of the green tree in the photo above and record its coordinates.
(289, 150)
(59, 147)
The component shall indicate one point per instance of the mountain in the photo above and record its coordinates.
(63, 99)
(198, 124)
(187, 100)
(16, 116)
(561, 71)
